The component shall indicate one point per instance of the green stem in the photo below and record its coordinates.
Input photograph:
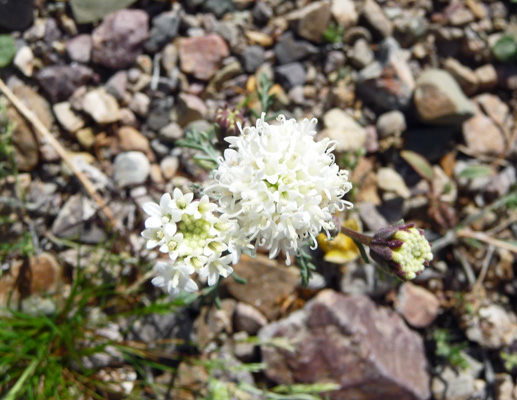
(13, 393)
(359, 237)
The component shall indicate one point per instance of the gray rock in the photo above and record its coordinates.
(288, 49)
(377, 19)
(439, 99)
(165, 28)
(392, 123)
(131, 168)
(336, 334)
(79, 48)
(410, 28)
(248, 319)
(16, 14)
(361, 54)
(219, 7)
(140, 104)
(334, 61)
(387, 83)
(190, 108)
(252, 57)
(60, 81)
(159, 113)
(171, 132)
(371, 217)
(120, 39)
(311, 20)
(291, 75)
(117, 85)
(262, 12)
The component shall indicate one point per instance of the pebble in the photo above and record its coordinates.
(131, 139)
(439, 99)
(417, 305)
(252, 57)
(344, 12)
(120, 38)
(79, 48)
(202, 56)
(24, 61)
(67, 117)
(140, 104)
(164, 29)
(131, 168)
(341, 127)
(117, 85)
(482, 136)
(390, 180)
(60, 81)
(312, 20)
(101, 106)
(291, 75)
(262, 12)
(361, 54)
(465, 76)
(392, 123)
(190, 108)
(171, 132)
(159, 113)
(502, 323)
(169, 167)
(487, 76)
(377, 19)
(85, 137)
(248, 319)
(288, 49)
(16, 14)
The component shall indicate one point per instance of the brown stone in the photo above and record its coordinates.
(202, 56)
(482, 136)
(417, 305)
(368, 351)
(269, 282)
(131, 139)
(312, 20)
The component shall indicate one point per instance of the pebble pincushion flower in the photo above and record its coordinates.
(280, 185)
(193, 236)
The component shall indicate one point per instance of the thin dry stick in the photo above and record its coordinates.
(47, 136)
(482, 237)
(484, 268)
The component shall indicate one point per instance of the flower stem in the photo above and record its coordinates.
(359, 237)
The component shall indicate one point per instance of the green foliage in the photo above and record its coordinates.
(204, 142)
(7, 163)
(476, 171)
(510, 360)
(266, 99)
(333, 34)
(7, 50)
(505, 49)
(87, 11)
(304, 262)
(419, 164)
(453, 353)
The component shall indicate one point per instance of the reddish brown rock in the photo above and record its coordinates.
(482, 136)
(368, 351)
(202, 56)
(417, 305)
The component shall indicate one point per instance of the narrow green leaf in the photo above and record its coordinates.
(419, 164)
(362, 251)
(476, 171)
(7, 50)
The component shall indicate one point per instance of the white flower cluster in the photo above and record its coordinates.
(280, 185)
(193, 236)
(276, 188)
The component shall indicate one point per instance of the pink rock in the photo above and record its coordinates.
(368, 351)
(79, 48)
(201, 56)
(417, 305)
(482, 136)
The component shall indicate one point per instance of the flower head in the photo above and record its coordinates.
(193, 237)
(403, 249)
(280, 185)
(228, 119)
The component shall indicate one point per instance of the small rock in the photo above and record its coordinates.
(334, 61)
(504, 387)
(140, 104)
(417, 305)
(24, 61)
(268, 283)
(348, 134)
(171, 132)
(291, 75)
(201, 56)
(495, 108)
(71, 121)
(16, 14)
(79, 48)
(213, 321)
(117, 84)
(492, 327)
(218, 7)
(165, 28)
(344, 12)
(85, 137)
(361, 55)
(228, 72)
(288, 49)
(101, 106)
(467, 79)
(60, 81)
(377, 19)
(159, 113)
(487, 77)
(169, 167)
(248, 319)
(455, 383)
(190, 108)
(169, 58)
(88, 11)
(482, 136)
(132, 140)
(311, 20)
(500, 185)
(252, 58)
(460, 16)
(439, 99)
(131, 168)
(336, 334)
(371, 217)
(262, 12)
(120, 38)
(392, 123)
(390, 180)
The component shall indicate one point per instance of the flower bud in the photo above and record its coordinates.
(403, 249)
(228, 119)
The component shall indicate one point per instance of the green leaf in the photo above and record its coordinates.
(476, 171)
(505, 49)
(87, 11)
(362, 251)
(7, 50)
(419, 164)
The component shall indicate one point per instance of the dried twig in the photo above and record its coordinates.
(483, 237)
(47, 137)
(484, 268)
